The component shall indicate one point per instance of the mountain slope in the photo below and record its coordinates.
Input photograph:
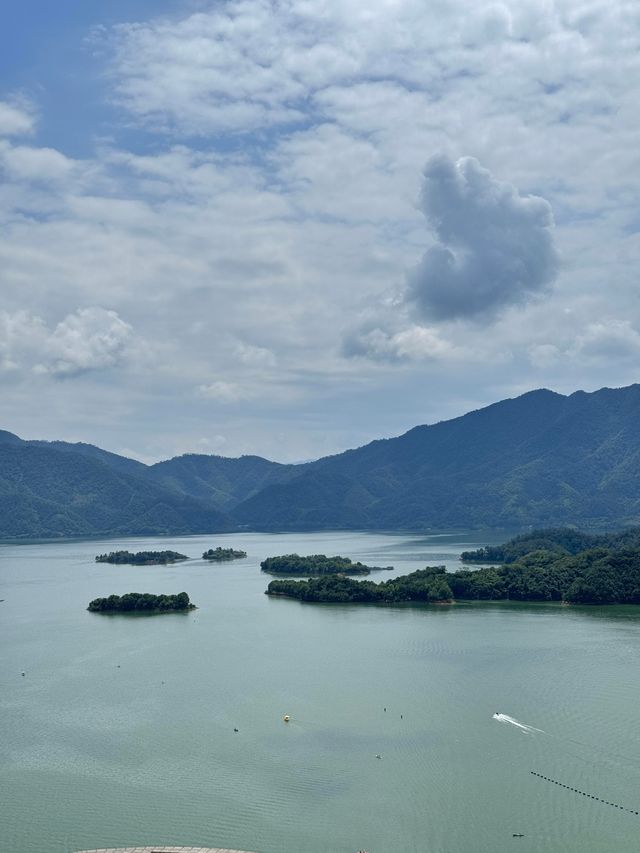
(218, 480)
(113, 460)
(538, 459)
(46, 492)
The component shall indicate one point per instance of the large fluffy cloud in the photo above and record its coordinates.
(89, 339)
(494, 246)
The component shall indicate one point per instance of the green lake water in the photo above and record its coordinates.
(121, 731)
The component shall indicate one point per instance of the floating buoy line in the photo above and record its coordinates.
(583, 793)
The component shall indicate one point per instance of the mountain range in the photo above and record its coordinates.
(540, 459)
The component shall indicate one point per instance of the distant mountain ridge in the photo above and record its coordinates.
(48, 491)
(222, 481)
(539, 459)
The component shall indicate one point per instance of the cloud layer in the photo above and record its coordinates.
(248, 200)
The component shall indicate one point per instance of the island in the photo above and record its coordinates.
(141, 602)
(141, 558)
(556, 565)
(424, 585)
(316, 564)
(219, 555)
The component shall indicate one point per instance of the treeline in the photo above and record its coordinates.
(141, 558)
(141, 601)
(593, 576)
(219, 554)
(315, 564)
(425, 585)
(560, 540)
(600, 575)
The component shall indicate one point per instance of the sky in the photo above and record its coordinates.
(289, 227)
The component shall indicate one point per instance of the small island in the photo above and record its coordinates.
(219, 555)
(141, 558)
(141, 602)
(558, 565)
(316, 564)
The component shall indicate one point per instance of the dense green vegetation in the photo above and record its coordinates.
(141, 558)
(219, 554)
(141, 602)
(561, 571)
(315, 564)
(428, 584)
(541, 459)
(538, 460)
(559, 540)
(223, 483)
(52, 490)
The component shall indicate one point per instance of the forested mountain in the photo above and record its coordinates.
(539, 459)
(223, 482)
(113, 460)
(47, 492)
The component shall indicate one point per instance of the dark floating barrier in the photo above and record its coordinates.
(583, 793)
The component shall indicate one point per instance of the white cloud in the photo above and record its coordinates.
(88, 340)
(544, 355)
(222, 392)
(22, 162)
(277, 204)
(15, 120)
(606, 341)
(416, 343)
(21, 334)
(254, 356)
(495, 247)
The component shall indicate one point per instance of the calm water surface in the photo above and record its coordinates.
(121, 731)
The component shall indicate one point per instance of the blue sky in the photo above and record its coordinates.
(288, 228)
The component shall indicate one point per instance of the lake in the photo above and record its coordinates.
(121, 730)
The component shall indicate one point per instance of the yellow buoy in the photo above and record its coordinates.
(286, 718)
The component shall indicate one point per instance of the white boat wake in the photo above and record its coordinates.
(505, 718)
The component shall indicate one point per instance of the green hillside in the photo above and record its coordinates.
(539, 459)
(220, 481)
(46, 492)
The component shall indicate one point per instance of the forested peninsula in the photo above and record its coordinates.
(559, 565)
(141, 602)
(141, 558)
(316, 564)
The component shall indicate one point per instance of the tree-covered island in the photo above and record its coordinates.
(316, 564)
(141, 558)
(141, 602)
(568, 567)
(219, 555)
(425, 585)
